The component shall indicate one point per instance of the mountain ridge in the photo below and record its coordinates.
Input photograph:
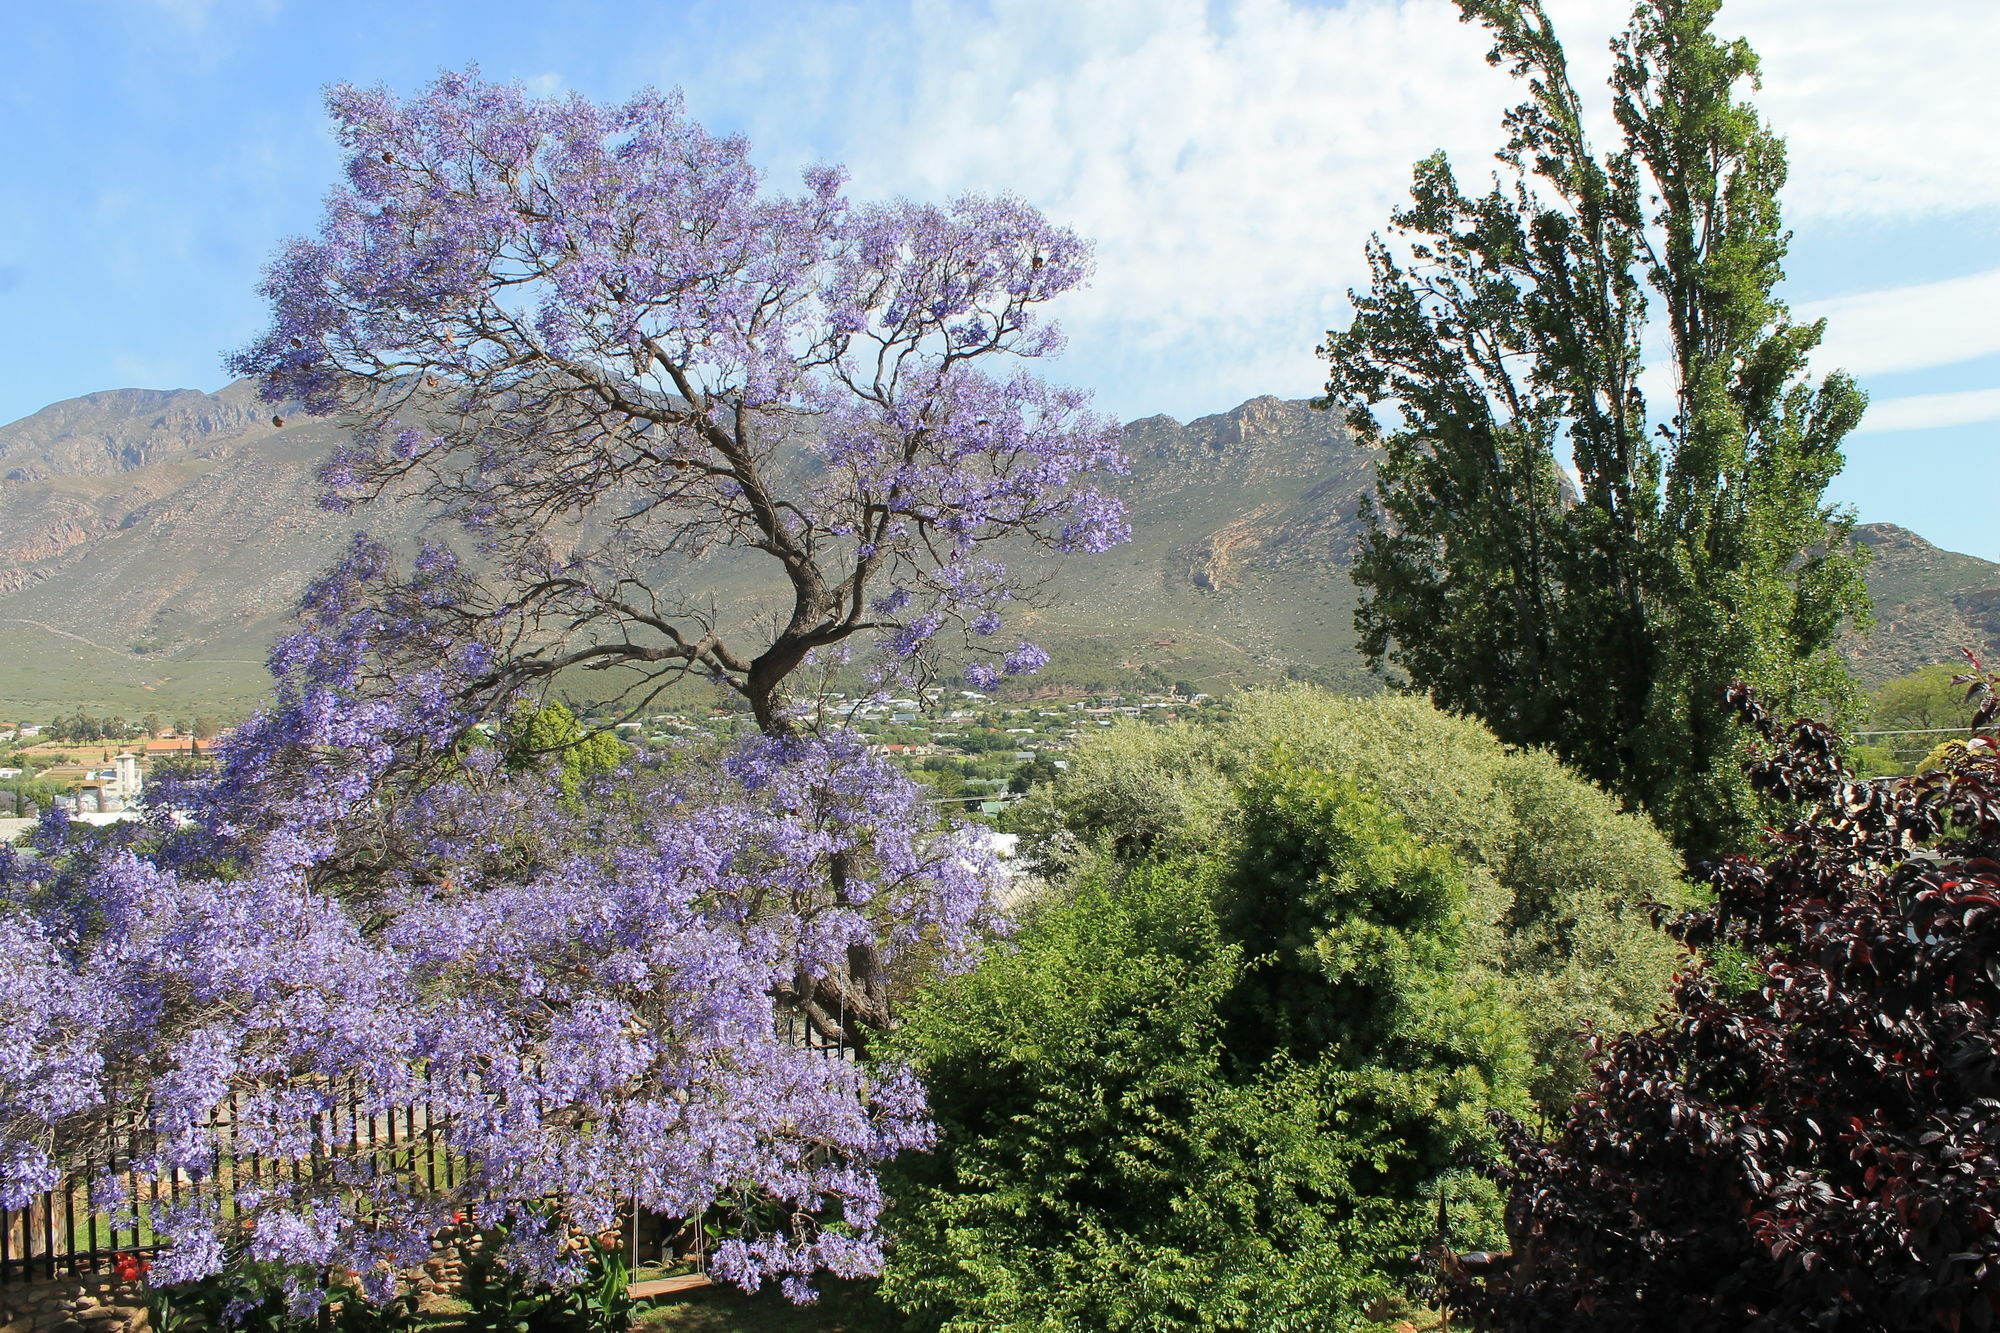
(153, 543)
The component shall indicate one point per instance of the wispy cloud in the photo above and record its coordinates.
(1910, 328)
(1229, 162)
(1231, 159)
(1928, 411)
(1887, 109)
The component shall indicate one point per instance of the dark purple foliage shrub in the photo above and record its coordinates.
(1810, 1139)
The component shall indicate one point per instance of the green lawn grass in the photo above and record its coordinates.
(842, 1308)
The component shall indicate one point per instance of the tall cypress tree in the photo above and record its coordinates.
(1503, 331)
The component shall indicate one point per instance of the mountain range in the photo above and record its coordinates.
(153, 542)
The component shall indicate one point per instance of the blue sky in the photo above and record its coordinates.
(1230, 157)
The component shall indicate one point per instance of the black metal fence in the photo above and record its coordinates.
(75, 1229)
(71, 1230)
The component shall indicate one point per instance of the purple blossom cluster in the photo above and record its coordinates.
(555, 318)
(586, 996)
(591, 336)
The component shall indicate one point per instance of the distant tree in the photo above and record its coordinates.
(205, 727)
(548, 738)
(151, 724)
(1186, 689)
(1927, 699)
(1506, 330)
(1911, 716)
(946, 784)
(1032, 774)
(1818, 1148)
(985, 740)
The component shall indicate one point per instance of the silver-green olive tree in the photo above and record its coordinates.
(1508, 330)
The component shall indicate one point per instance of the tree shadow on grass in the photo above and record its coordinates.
(843, 1307)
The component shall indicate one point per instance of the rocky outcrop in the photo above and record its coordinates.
(102, 434)
(1930, 604)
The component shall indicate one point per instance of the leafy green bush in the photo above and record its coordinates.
(1556, 872)
(550, 738)
(1223, 1092)
(501, 1298)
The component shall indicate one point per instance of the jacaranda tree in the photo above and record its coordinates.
(591, 336)
(582, 995)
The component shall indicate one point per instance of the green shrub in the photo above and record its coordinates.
(1222, 1092)
(550, 738)
(1556, 872)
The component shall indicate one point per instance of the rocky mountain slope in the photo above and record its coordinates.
(1929, 604)
(152, 544)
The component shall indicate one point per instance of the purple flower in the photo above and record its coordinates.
(1026, 659)
(614, 345)
(630, 239)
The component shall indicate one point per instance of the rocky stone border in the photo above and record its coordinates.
(95, 1303)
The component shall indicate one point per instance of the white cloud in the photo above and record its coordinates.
(1909, 328)
(1927, 411)
(1231, 159)
(1229, 170)
(1887, 109)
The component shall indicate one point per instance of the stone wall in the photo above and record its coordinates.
(440, 1276)
(95, 1303)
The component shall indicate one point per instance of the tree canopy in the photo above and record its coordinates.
(593, 999)
(1226, 1091)
(591, 335)
(550, 737)
(1555, 548)
(1557, 876)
